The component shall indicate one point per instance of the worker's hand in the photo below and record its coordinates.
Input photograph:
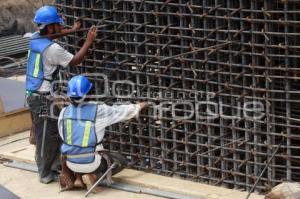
(144, 105)
(77, 25)
(92, 34)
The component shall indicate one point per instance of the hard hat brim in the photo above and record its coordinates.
(43, 24)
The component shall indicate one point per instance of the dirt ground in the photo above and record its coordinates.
(16, 15)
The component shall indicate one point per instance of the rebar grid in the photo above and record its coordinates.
(187, 56)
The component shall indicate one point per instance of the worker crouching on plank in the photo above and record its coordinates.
(82, 127)
(44, 57)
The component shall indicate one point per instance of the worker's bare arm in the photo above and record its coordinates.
(75, 27)
(144, 105)
(66, 31)
(79, 56)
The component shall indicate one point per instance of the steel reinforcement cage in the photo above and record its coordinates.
(223, 78)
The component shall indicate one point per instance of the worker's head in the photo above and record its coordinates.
(48, 20)
(78, 87)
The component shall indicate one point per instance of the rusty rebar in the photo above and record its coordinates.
(207, 65)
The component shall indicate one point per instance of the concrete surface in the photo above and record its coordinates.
(20, 181)
(180, 186)
(25, 184)
(20, 78)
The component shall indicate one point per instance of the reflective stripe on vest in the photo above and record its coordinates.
(79, 133)
(81, 155)
(87, 131)
(37, 65)
(69, 131)
(86, 135)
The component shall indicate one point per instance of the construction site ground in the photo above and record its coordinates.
(25, 183)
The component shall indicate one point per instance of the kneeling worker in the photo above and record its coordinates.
(82, 127)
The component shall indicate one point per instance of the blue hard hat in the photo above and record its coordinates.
(78, 86)
(47, 15)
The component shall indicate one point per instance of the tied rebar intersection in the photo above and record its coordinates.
(224, 75)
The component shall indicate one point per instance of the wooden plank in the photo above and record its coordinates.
(15, 122)
(16, 138)
(22, 154)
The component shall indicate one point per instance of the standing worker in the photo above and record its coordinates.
(82, 127)
(44, 57)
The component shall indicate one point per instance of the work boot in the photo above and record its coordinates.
(89, 180)
(78, 182)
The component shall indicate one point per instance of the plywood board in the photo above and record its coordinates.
(15, 121)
